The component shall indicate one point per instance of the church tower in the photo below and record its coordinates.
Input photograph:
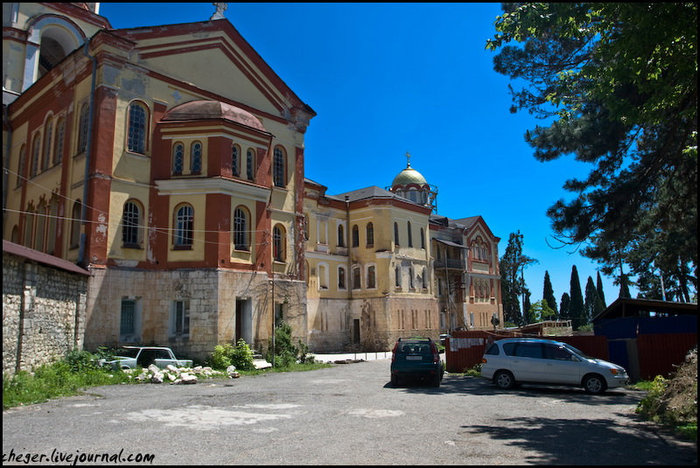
(410, 184)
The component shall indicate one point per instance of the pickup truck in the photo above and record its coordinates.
(129, 357)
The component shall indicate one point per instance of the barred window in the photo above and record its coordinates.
(250, 164)
(235, 161)
(178, 158)
(48, 133)
(60, 134)
(83, 128)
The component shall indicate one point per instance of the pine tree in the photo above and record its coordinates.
(548, 294)
(564, 309)
(624, 287)
(576, 308)
(599, 289)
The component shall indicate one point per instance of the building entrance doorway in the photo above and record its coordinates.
(244, 320)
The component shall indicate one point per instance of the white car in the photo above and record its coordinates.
(128, 357)
(530, 360)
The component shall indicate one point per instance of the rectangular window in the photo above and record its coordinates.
(127, 324)
(181, 318)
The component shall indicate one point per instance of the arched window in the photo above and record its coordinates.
(178, 158)
(341, 277)
(131, 222)
(196, 158)
(184, 226)
(240, 229)
(424, 278)
(53, 227)
(410, 277)
(356, 275)
(396, 234)
(422, 239)
(341, 236)
(370, 234)
(236, 160)
(371, 277)
(137, 125)
(83, 128)
(278, 243)
(355, 236)
(75, 225)
(48, 132)
(36, 145)
(59, 141)
(279, 167)
(410, 235)
(29, 226)
(250, 164)
(21, 165)
(397, 277)
(39, 234)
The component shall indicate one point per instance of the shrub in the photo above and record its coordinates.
(226, 355)
(80, 361)
(285, 353)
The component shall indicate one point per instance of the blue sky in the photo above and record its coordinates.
(386, 79)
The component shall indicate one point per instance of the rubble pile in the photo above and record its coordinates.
(179, 375)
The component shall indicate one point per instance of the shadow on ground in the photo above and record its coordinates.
(585, 442)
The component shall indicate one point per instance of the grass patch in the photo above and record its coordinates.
(54, 381)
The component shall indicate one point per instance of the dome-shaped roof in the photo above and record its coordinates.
(195, 110)
(409, 176)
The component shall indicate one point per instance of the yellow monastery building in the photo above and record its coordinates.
(183, 194)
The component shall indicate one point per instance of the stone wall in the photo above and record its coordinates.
(211, 295)
(43, 313)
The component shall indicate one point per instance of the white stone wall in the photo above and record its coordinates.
(43, 313)
(212, 298)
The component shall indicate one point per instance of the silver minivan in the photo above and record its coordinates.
(532, 360)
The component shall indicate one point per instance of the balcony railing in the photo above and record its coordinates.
(453, 263)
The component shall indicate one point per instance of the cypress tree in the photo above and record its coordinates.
(599, 289)
(624, 287)
(592, 305)
(576, 308)
(548, 294)
(564, 309)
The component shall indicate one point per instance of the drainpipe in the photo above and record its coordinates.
(348, 281)
(88, 148)
(6, 163)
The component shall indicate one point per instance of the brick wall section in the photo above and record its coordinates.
(43, 313)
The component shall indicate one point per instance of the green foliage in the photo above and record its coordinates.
(599, 289)
(540, 311)
(616, 85)
(80, 361)
(511, 265)
(474, 371)
(650, 404)
(240, 356)
(285, 353)
(565, 302)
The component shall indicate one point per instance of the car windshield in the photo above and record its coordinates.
(576, 351)
(127, 352)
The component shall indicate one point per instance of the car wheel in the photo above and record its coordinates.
(594, 384)
(436, 380)
(504, 380)
(394, 380)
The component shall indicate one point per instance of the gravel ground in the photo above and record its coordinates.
(347, 414)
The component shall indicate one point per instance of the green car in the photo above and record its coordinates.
(416, 358)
